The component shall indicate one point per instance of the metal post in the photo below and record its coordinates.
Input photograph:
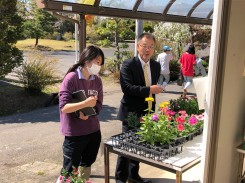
(76, 41)
(82, 33)
(138, 32)
(107, 164)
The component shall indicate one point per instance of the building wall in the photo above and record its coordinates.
(232, 107)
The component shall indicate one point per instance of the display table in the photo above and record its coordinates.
(178, 164)
(241, 173)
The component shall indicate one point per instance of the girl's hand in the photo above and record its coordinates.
(82, 116)
(91, 101)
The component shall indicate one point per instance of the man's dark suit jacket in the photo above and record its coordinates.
(133, 87)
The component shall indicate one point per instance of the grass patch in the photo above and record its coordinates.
(14, 99)
(40, 173)
(46, 45)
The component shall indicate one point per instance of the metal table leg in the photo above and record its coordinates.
(240, 168)
(178, 177)
(107, 164)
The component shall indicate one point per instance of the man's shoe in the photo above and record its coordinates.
(138, 180)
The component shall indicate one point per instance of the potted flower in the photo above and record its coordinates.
(188, 104)
(157, 128)
(74, 177)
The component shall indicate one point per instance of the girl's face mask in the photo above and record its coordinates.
(94, 69)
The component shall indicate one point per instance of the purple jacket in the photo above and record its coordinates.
(71, 125)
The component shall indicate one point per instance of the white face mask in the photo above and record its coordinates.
(94, 69)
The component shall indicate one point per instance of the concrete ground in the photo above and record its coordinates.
(30, 144)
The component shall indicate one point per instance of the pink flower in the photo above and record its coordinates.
(89, 181)
(164, 110)
(180, 127)
(141, 120)
(170, 113)
(60, 179)
(155, 117)
(169, 118)
(200, 117)
(182, 112)
(193, 120)
(74, 169)
(180, 119)
(68, 180)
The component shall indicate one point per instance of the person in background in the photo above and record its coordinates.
(200, 68)
(82, 133)
(188, 61)
(164, 60)
(138, 79)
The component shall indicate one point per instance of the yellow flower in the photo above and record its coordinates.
(149, 99)
(164, 104)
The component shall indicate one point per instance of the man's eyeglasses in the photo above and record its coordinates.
(147, 47)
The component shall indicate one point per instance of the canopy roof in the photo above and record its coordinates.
(182, 11)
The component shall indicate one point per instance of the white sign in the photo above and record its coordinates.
(67, 8)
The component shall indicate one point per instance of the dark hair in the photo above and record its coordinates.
(88, 54)
(191, 49)
(148, 35)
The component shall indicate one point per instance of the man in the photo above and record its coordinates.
(164, 60)
(136, 86)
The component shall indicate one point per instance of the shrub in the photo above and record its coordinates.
(68, 36)
(54, 36)
(104, 43)
(111, 65)
(37, 72)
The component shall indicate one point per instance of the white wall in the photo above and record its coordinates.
(232, 111)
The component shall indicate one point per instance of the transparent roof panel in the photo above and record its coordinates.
(181, 7)
(88, 2)
(203, 9)
(156, 6)
(119, 4)
(155, 10)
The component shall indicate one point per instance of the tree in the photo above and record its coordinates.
(116, 29)
(201, 33)
(38, 23)
(10, 32)
(175, 35)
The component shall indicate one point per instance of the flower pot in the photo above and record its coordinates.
(190, 137)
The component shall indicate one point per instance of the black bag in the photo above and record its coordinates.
(180, 79)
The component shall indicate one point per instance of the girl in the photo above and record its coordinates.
(82, 133)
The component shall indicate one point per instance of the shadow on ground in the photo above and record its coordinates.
(48, 114)
(108, 113)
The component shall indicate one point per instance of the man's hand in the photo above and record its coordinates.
(156, 89)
